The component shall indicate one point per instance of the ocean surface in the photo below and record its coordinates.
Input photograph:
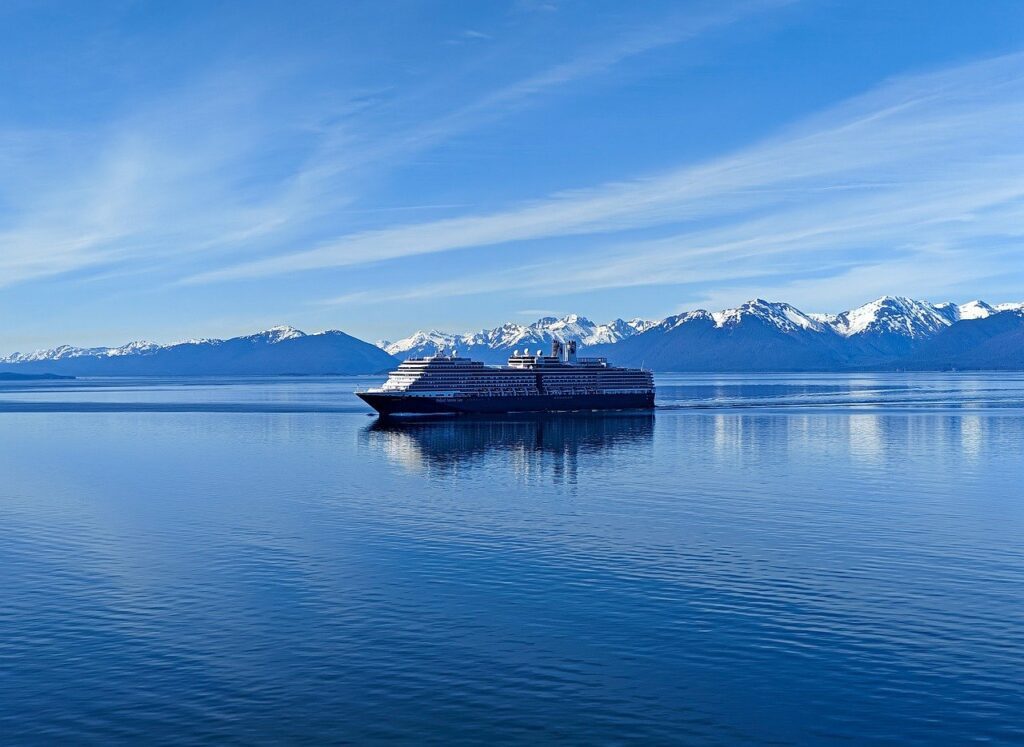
(807, 559)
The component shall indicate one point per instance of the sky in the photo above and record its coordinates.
(208, 169)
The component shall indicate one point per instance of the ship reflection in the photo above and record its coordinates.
(549, 444)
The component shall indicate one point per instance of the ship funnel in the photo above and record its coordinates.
(570, 355)
(556, 348)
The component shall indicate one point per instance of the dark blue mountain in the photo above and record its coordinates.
(278, 351)
(995, 342)
(757, 336)
(886, 334)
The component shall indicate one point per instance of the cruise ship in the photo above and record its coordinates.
(447, 383)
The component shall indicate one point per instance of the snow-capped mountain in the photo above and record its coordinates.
(278, 350)
(140, 347)
(894, 315)
(575, 327)
(759, 335)
(494, 345)
(1009, 306)
(781, 315)
(762, 335)
(433, 340)
(894, 327)
(905, 316)
(995, 341)
(975, 310)
(275, 335)
(143, 347)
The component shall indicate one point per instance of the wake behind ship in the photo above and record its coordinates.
(528, 383)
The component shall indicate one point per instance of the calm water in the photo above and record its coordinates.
(774, 560)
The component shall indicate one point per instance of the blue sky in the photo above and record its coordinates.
(184, 169)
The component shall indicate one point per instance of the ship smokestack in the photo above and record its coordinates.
(571, 352)
(556, 348)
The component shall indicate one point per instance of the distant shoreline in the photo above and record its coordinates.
(10, 376)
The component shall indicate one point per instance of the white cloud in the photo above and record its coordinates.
(921, 161)
(185, 174)
(172, 177)
(603, 57)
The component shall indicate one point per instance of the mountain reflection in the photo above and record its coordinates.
(547, 443)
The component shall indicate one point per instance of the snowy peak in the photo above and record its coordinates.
(433, 339)
(1009, 306)
(586, 332)
(512, 334)
(680, 319)
(64, 352)
(53, 354)
(143, 347)
(907, 317)
(197, 341)
(139, 347)
(504, 336)
(969, 310)
(581, 329)
(616, 330)
(781, 315)
(974, 310)
(260, 354)
(890, 316)
(277, 334)
(893, 315)
(639, 326)
(573, 327)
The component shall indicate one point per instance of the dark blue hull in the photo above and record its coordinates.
(400, 404)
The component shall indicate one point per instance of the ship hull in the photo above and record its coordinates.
(400, 404)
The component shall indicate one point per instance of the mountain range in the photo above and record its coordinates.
(276, 351)
(889, 332)
(886, 334)
(494, 345)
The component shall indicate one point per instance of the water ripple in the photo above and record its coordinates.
(234, 562)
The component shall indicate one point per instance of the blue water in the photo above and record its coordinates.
(771, 560)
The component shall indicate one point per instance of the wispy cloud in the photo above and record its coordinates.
(582, 65)
(469, 35)
(534, 313)
(923, 161)
(177, 175)
(200, 172)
